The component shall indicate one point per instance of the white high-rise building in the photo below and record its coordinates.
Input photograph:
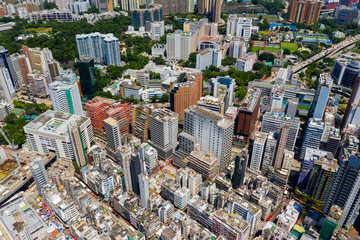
(65, 97)
(313, 133)
(207, 58)
(165, 211)
(78, 7)
(277, 97)
(181, 197)
(178, 45)
(157, 30)
(243, 28)
(39, 173)
(163, 131)
(66, 134)
(258, 150)
(103, 48)
(144, 189)
(112, 132)
(7, 90)
(149, 155)
(288, 159)
(194, 183)
(213, 130)
(269, 153)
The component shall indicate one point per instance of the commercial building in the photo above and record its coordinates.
(213, 130)
(258, 150)
(276, 98)
(312, 137)
(321, 179)
(87, 76)
(139, 17)
(212, 103)
(65, 97)
(103, 48)
(304, 11)
(39, 84)
(163, 132)
(100, 108)
(248, 115)
(205, 163)
(149, 155)
(223, 88)
(144, 189)
(321, 96)
(181, 197)
(140, 121)
(183, 95)
(39, 173)
(346, 14)
(352, 112)
(283, 136)
(22, 67)
(207, 58)
(272, 123)
(270, 150)
(7, 91)
(344, 73)
(239, 171)
(66, 134)
(112, 132)
(345, 191)
(5, 62)
(176, 6)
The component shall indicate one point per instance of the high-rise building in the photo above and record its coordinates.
(270, 149)
(144, 189)
(224, 90)
(240, 27)
(352, 112)
(288, 159)
(140, 121)
(65, 97)
(345, 73)
(237, 48)
(39, 84)
(157, 30)
(112, 132)
(312, 137)
(239, 170)
(7, 91)
(129, 5)
(66, 134)
(207, 58)
(78, 7)
(103, 48)
(139, 17)
(205, 163)
(178, 45)
(5, 62)
(345, 191)
(321, 96)
(272, 122)
(213, 130)
(248, 114)
(163, 132)
(277, 98)
(183, 95)
(321, 179)
(281, 146)
(149, 155)
(165, 211)
(23, 63)
(304, 11)
(38, 58)
(87, 76)
(182, 197)
(100, 108)
(105, 5)
(291, 107)
(39, 174)
(176, 6)
(229, 226)
(258, 150)
(53, 67)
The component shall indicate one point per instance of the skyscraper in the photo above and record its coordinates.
(248, 114)
(129, 5)
(87, 76)
(321, 96)
(163, 131)
(139, 17)
(103, 48)
(216, 11)
(321, 179)
(210, 7)
(213, 130)
(281, 146)
(352, 112)
(178, 45)
(5, 62)
(345, 191)
(39, 173)
(65, 97)
(7, 90)
(185, 94)
(239, 170)
(269, 153)
(140, 121)
(176, 6)
(105, 5)
(112, 132)
(304, 11)
(144, 189)
(258, 150)
(312, 135)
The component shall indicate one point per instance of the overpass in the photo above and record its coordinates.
(327, 52)
(15, 186)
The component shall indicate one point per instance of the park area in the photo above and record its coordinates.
(291, 46)
(39, 30)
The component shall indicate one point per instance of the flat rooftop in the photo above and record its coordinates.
(21, 211)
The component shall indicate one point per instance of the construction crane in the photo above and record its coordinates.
(12, 145)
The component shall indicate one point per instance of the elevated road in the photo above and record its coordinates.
(16, 185)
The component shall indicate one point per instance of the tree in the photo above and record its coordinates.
(286, 51)
(257, 66)
(93, 9)
(265, 24)
(181, 78)
(192, 57)
(228, 61)
(164, 98)
(159, 61)
(269, 57)
(50, 5)
(154, 99)
(10, 119)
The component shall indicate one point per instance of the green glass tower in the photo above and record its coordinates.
(87, 76)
